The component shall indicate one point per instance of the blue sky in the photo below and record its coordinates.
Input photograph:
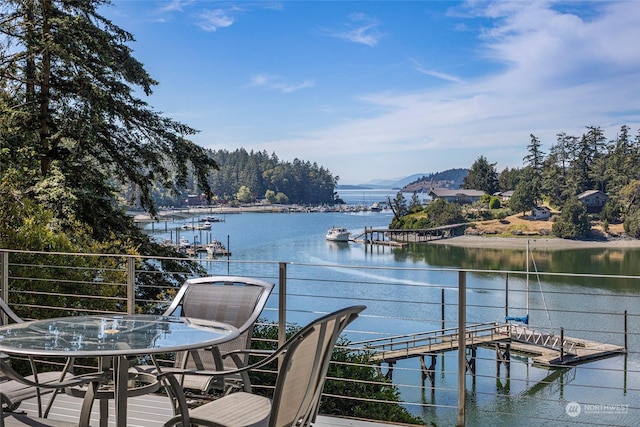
(386, 89)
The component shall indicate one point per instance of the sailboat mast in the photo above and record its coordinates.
(527, 277)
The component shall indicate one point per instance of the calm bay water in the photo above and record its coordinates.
(299, 237)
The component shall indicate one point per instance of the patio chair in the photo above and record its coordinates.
(13, 392)
(298, 389)
(12, 419)
(231, 299)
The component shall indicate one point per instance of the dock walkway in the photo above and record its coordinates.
(547, 349)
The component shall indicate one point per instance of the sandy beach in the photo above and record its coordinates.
(541, 243)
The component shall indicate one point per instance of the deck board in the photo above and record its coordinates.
(151, 410)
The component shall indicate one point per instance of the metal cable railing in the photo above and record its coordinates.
(491, 380)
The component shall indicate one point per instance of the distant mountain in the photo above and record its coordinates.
(392, 183)
(451, 178)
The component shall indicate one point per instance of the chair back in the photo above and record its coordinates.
(304, 368)
(231, 299)
(7, 315)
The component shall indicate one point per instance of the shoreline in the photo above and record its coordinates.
(540, 243)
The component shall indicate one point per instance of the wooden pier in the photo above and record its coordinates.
(400, 237)
(546, 349)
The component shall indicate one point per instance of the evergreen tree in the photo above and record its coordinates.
(553, 181)
(482, 176)
(73, 83)
(508, 179)
(399, 208)
(535, 157)
(534, 161)
(573, 222)
(621, 164)
(563, 150)
(74, 130)
(415, 205)
(523, 199)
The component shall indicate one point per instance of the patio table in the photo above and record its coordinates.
(113, 339)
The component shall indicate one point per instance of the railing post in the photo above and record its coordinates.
(462, 350)
(131, 279)
(626, 343)
(282, 304)
(442, 309)
(4, 259)
(506, 298)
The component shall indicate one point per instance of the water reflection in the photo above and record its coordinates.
(601, 261)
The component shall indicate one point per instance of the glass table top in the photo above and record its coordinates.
(112, 335)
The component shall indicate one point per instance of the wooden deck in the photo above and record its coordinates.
(151, 410)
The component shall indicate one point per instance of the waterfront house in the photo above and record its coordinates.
(540, 213)
(594, 200)
(504, 196)
(460, 195)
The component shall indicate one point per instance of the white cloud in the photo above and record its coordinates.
(275, 82)
(212, 20)
(444, 76)
(552, 47)
(361, 29)
(561, 72)
(176, 5)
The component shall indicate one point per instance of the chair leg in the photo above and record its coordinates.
(104, 412)
(67, 369)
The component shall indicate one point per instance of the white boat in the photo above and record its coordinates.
(338, 234)
(376, 207)
(184, 243)
(216, 248)
(205, 226)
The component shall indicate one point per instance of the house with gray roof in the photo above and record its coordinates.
(460, 195)
(594, 200)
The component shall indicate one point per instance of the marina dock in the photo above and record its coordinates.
(546, 349)
(399, 237)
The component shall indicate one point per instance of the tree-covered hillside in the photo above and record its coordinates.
(249, 176)
(451, 178)
(300, 181)
(572, 166)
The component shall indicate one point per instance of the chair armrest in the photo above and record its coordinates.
(10, 373)
(270, 357)
(249, 351)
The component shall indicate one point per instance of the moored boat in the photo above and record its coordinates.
(211, 219)
(376, 207)
(338, 234)
(205, 226)
(216, 248)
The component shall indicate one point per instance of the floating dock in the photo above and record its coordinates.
(547, 350)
